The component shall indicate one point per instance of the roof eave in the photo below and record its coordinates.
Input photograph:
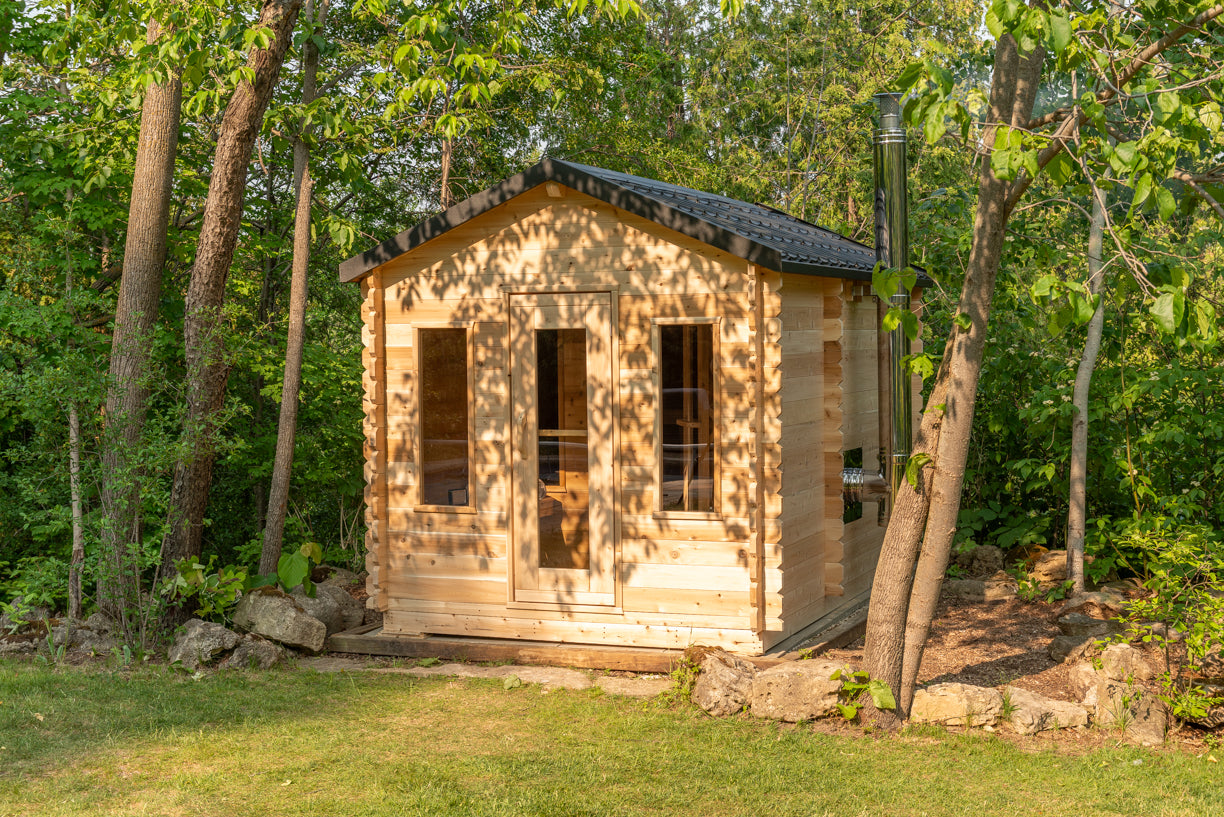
(564, 173)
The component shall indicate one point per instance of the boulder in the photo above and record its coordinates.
(331, 605)
(1081, 626)
(1050, 568)
(1032, 713)
(978, 590)
(956, 705)
(724, 684)
(79, 637)
(272, 614)
(1138, 714)
(797, 690)
(1121, 662)
(341, 577)
(199, 642)
(1104, 606)
(100, 622)
(1082, 680)
(1071, 648)
(253, 652)
(986, 560)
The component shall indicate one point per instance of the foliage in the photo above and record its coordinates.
(857, 684)
(1185, 571)
(212, 590)
(292, 570)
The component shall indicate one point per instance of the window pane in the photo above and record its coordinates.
(564, 507)
(444, 416)
(686, 373)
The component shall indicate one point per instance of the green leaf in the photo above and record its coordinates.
(512, 682)
(311, 550)
(1143, 189)
(909, 323)
(848, 711)
(1060, 32)
(292, 569)
(914, 465)
(881, 695)
(1168, 311)
(1165, 203)
(963, 321)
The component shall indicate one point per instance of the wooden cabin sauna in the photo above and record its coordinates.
(600, 409)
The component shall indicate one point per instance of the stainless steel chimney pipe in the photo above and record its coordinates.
(892, 250)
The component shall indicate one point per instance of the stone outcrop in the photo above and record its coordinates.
(199, 642)
(1050, 568)
(1138, 714)
(797, 691)
(1071, 648)
(253, 652)
(724, 683)
(331, 605)
(274, 615)
(1078, 624)
(956, 705)
(1032, 713)
(981, 561)
(1121, 662)
(992, 589)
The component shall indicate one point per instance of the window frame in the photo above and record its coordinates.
(418, 425)
(656, 343)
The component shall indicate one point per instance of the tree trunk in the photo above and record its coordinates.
(127, 396)
(1076, 504)
(286, 431)
(902, 597)
(206, 368)
(78, 529)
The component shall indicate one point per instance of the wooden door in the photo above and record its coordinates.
(562, 450)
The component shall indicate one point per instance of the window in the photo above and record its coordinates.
(688, 447)
(443, 375)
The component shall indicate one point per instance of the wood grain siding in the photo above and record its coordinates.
(374, 425)
(862, 538)
(808, 422)
(680, 581)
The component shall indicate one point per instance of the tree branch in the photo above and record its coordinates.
(1071, 125)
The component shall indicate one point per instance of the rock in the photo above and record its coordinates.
(17, 647)
(1082, 680)
(100, 622)
(1082, 626)
(985, 560)
(253, 652)
(1032, 713)
(1159, 628)
(78, 637)
(1139, 715)
(25, 615)
(956, 705)
(199, 642)
(342, 578)
(1121, 662)
(331, 605)
(1102, 606)
(1212, 664)
(1050, 567)
(796, 691)
(1070, 648)
(978, 590)
(724, 683)
(272, 614)
(967, 589)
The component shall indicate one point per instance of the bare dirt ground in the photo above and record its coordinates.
(995, 643)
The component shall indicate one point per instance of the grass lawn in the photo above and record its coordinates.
(154, 741)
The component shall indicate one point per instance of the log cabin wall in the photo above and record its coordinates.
(680, 581)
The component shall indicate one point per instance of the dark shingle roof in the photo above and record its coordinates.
(756, 233)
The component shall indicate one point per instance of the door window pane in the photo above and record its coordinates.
(561, 405)
(686, 375)
(444, 416)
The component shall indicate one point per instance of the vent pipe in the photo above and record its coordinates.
(892, 250)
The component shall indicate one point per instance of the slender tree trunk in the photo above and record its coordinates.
(206, 368)
(127, 396)
(903, 593)
(78, 528)
(278, 496)
(1076, 505)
